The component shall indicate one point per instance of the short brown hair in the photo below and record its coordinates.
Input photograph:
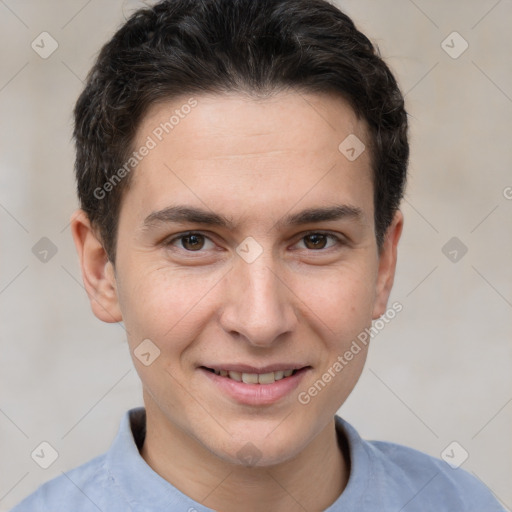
(179, 47)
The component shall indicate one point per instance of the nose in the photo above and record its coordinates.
(259, 305)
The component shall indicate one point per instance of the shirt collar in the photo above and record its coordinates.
(141, 487)
(144, 489)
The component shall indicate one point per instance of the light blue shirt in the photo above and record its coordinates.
(383, 477)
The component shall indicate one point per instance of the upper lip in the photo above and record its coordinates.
(247, 368)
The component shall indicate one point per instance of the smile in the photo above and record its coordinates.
(249, 385)
(254, 378)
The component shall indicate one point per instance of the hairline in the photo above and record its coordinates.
(250, 94)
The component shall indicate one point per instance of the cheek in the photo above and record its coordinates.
(168, 309)
(161, 304)
(341, 300)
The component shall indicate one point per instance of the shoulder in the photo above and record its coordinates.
(79, 489)
(400, 476)
(94, 486)
(432, 477)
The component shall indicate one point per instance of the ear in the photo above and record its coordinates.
(387, 265)
(97, 270)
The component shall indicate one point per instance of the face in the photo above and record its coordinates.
(246, 251)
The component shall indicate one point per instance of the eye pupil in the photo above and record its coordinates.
(193, 242)
(317, 239)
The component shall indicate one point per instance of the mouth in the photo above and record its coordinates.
(264, 378)
(255, 386)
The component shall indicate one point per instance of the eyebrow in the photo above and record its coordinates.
(188, 214)
(329, 213)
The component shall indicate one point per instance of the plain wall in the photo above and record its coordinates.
(439, 372)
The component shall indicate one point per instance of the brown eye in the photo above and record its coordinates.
(192, 242)
(315, 241)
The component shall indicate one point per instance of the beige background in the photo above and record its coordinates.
(440, 372)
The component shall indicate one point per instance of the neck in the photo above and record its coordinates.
(312, 480)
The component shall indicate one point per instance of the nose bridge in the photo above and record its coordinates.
(260, 308)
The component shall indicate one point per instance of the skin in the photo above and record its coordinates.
(255, 162)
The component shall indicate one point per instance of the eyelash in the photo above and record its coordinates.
(338, 241)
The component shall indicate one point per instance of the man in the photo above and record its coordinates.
(240, 166)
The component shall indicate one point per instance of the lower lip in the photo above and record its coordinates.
(256, 394)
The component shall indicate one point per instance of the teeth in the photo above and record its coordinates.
(266, 378)
(235, 376)
(255, 378)
(250, 378)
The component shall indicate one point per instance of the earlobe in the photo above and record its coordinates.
(97, 271)
(387, 265)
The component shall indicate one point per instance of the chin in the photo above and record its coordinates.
(254, 449)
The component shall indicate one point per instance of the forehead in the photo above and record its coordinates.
(312, 118)
(228, 146)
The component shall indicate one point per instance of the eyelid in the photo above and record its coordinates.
(339, 240)
(169, 241)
